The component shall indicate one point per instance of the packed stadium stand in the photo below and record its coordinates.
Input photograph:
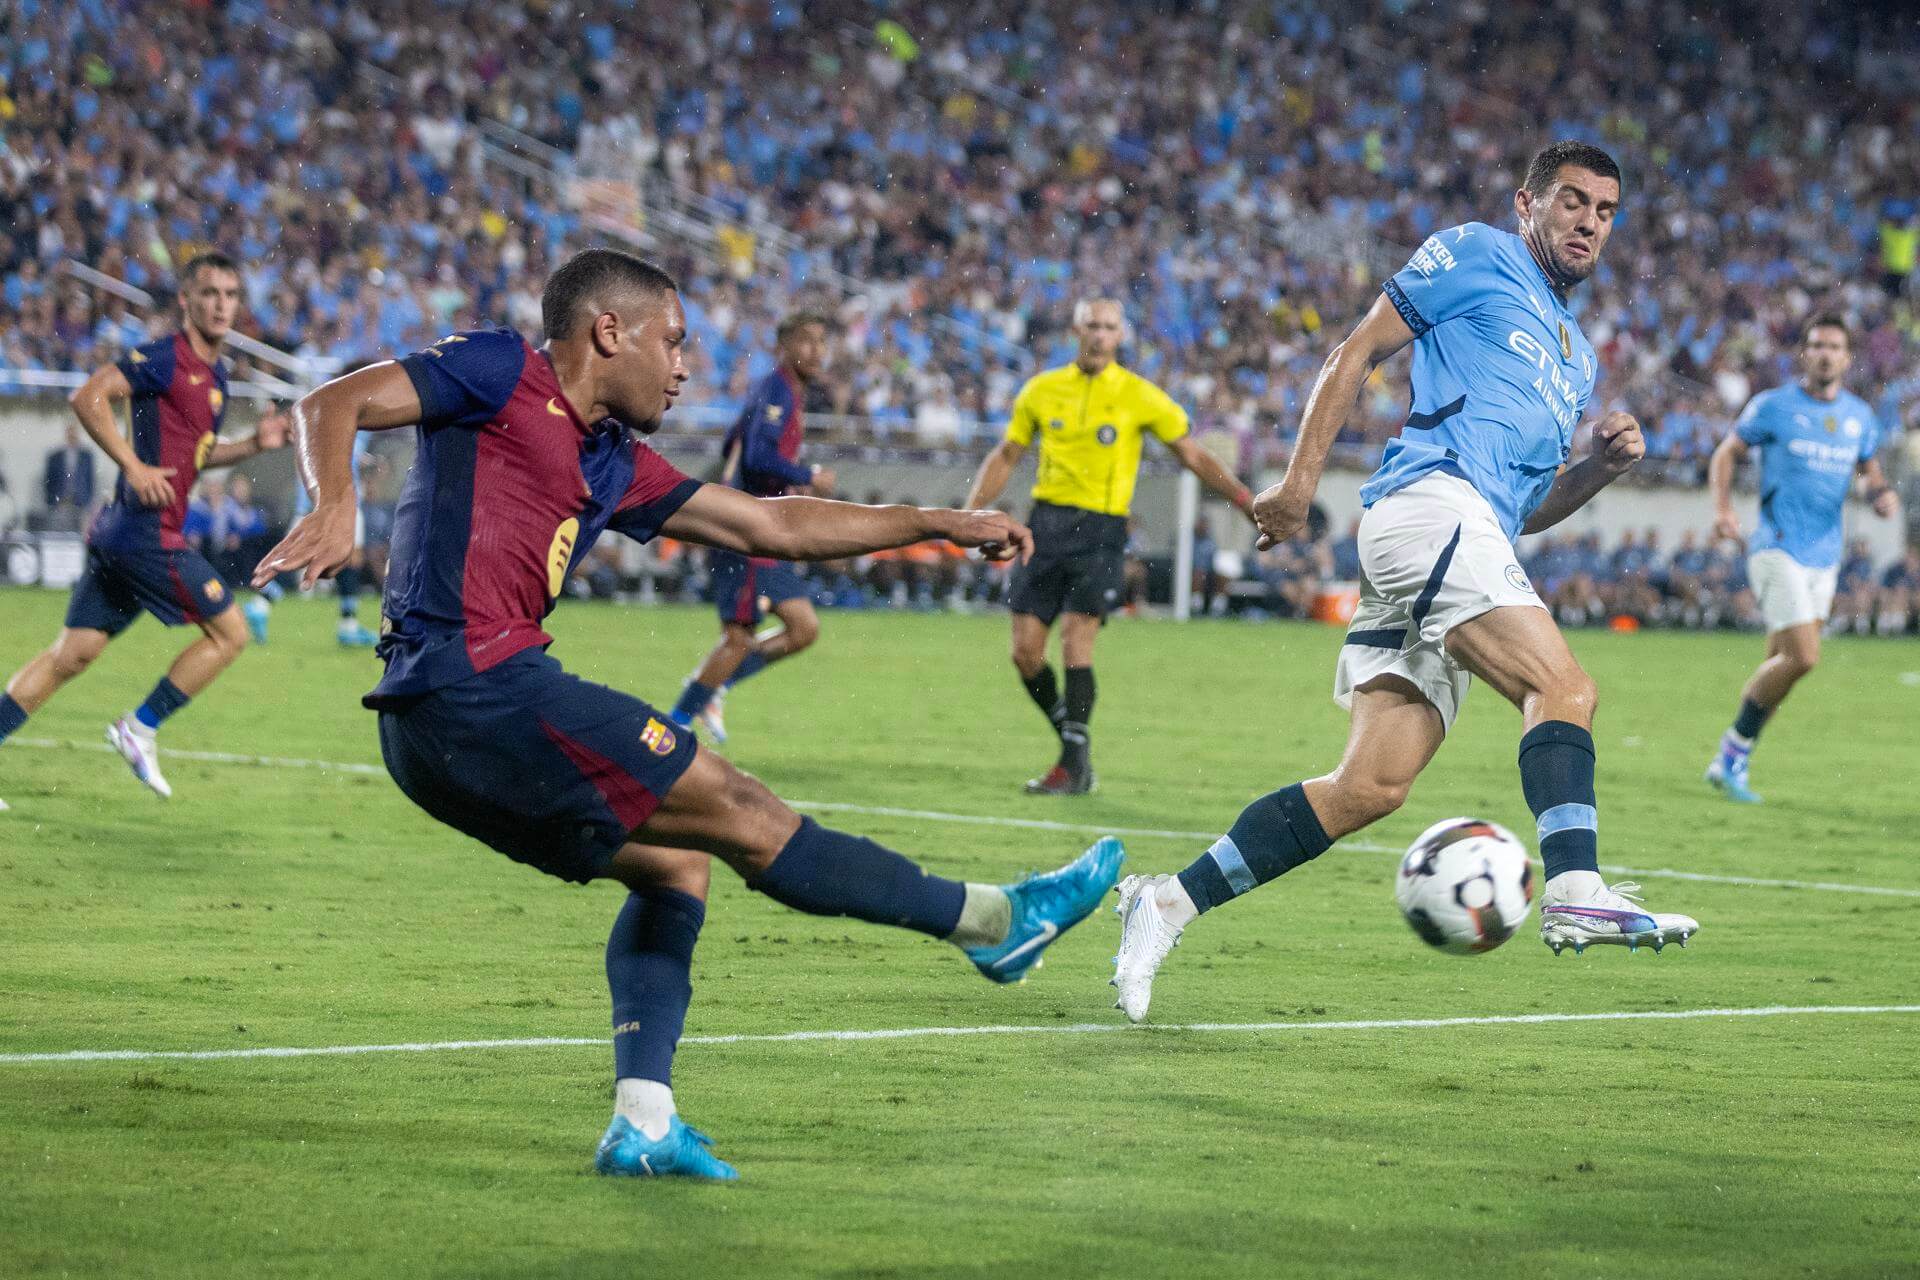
(947, 183)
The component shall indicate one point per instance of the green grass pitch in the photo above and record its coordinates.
(277, 906)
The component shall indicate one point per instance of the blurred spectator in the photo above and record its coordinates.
(1899, 594)
(67, 486)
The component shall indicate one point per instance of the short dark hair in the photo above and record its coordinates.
(212, 260)
(794, 322)
(1826, 320)
(588, 274)
(1547, 163)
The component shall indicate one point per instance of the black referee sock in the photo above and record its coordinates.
(1045, 692)
(1074, 735)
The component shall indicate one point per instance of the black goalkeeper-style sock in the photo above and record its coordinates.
(1074, 734)
(1045, 692)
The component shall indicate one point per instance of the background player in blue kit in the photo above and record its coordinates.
(1814, 437)
(1501, 375)
(524, 458)
(762, 452)
(138, 559)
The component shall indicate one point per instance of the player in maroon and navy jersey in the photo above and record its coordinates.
(762, 452)
(525, 457)
(137, 558)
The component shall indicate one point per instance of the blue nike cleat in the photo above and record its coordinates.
(625, 1152)
(1044, 907)
(352, 635)
(255, 611)
(1729, 776)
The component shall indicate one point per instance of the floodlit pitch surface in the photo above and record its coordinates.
(283, 906)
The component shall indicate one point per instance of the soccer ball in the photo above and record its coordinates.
(1465, 885)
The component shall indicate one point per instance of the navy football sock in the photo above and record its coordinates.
(1556, 773)
(693, 700)
(346, 584)
(165, 699)
(1272, 836)
(1045, 692)
(1752, 719)
(12, 715)
(649, 957)
(752, 665)
(830, 873)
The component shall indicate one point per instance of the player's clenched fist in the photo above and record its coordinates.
(1618, 443)
(1279, 514)
(998, 535)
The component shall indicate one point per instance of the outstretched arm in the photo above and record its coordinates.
(1281, 511)
(1617, 449)
(375, 398)
(270, 434)
(995, 471)
(821, 529)
(1213, 473)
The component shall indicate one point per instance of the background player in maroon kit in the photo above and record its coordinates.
(525, 457)
(137, 559)
(763, 458)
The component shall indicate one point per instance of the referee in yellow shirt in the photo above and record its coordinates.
(1089, 419)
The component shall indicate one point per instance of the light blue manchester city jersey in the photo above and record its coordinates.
(1501, 372)
(1809, 449)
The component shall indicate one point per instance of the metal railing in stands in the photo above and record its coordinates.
(307, 372)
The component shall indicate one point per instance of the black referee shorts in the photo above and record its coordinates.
(1078, 566)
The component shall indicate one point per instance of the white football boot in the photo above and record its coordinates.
(1146, 936)
(1577, 915)
(141, 753)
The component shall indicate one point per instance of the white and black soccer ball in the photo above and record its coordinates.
(1465, 885)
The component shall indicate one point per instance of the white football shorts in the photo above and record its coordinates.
(1432, 556)
(1790, 593)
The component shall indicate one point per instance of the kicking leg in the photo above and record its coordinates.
(1521, 653)
(717, 809)
(1792, 653)
(1392, 735)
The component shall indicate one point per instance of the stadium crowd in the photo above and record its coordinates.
(949, 179)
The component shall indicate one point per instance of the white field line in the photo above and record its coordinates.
(1026, 824)
(921, 1033)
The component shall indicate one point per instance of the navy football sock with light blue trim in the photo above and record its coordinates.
(693, 700)
(165, 699)
(12, 715)
(1272, 836)
(649, 963)
(1556, 773)
(830, 873)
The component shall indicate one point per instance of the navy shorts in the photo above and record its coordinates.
(549, 769)
(119, 582)
(745, 589)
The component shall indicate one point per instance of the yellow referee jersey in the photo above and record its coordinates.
(1089, 431)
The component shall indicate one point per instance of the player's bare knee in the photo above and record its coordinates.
(73, 653)
(761, 824)
(802, 631)
(1366, 797)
